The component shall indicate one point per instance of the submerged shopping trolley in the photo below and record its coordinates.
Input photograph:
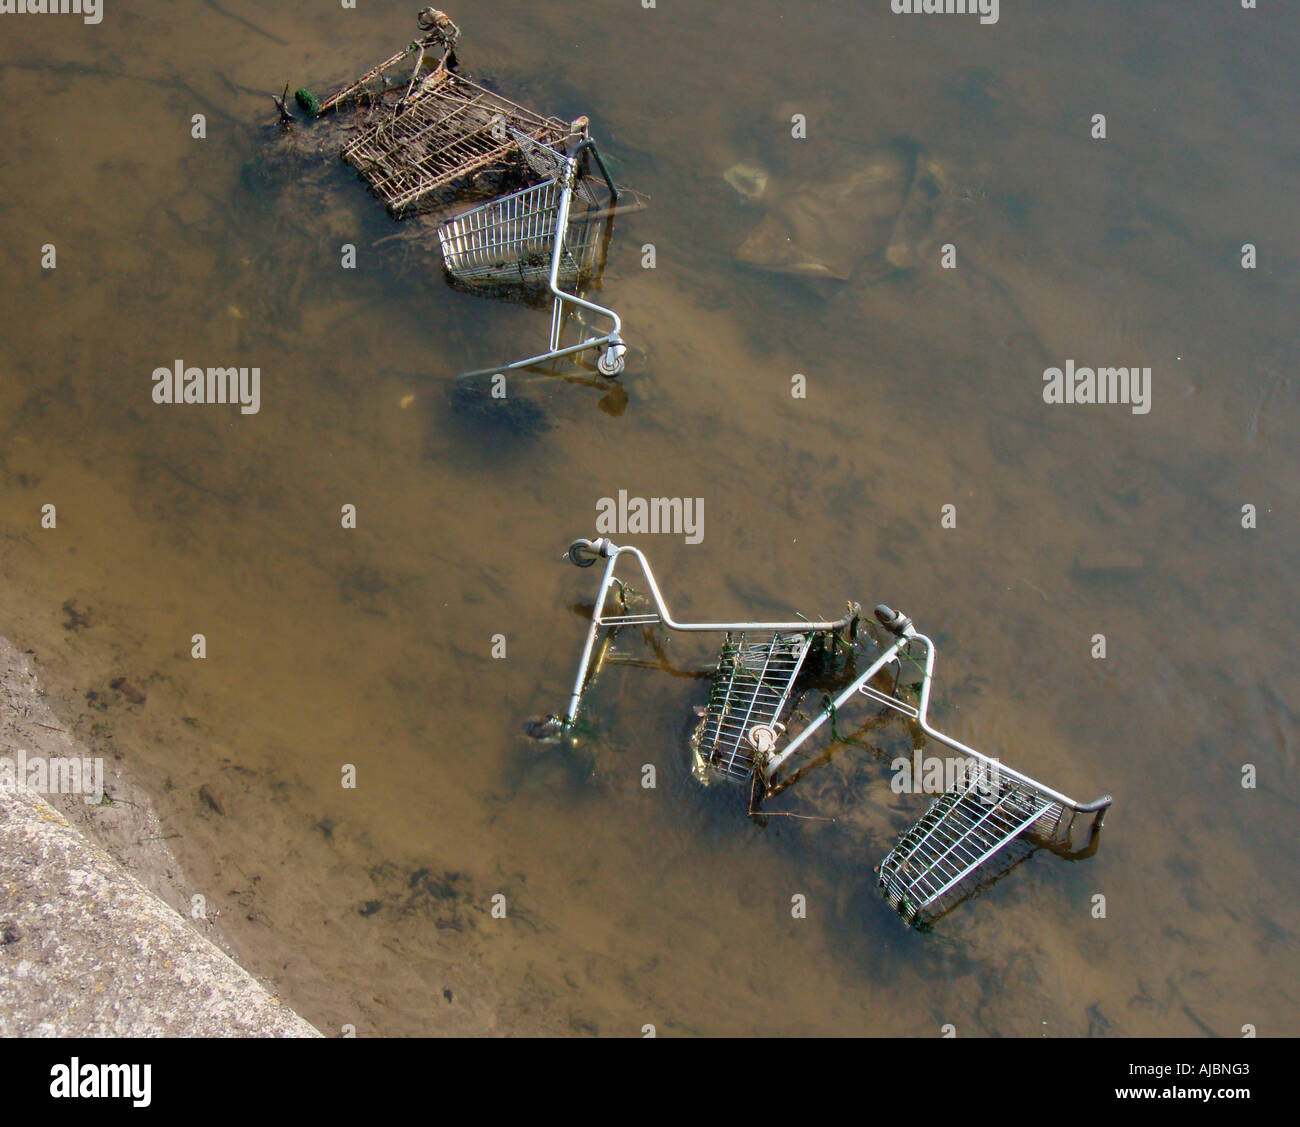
(969, 834)
(553, 233)
(432, 137)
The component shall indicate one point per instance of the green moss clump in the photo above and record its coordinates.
(307, 100)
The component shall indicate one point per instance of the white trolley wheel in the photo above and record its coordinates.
(611, 362)
(582, 553)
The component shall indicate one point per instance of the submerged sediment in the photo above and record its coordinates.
(85, 948)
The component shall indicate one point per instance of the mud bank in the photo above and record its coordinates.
(86, 948)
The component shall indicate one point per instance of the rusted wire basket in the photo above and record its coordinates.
(448, 130)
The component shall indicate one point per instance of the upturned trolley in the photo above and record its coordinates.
(969, 833)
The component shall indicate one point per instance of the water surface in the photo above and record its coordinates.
(373, 647)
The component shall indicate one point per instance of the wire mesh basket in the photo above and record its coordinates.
(510, 240)
(751, 687)
(552, 233)
(956, 845)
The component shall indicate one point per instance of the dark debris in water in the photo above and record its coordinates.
(441, 896)
(440, 887)
(364, 580)
(364, 587)
(1098, 1023)
(130, 691)
(74, 617)
(486, 404)
(210, 800)
(545, 729)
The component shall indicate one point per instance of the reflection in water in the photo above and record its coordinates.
(373, 647)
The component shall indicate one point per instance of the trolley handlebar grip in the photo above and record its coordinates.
(895, 621)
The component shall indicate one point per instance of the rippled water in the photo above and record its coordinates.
(373, 647)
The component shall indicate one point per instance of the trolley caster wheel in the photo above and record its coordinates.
(427, 19)
(582, 553)
(612, 360)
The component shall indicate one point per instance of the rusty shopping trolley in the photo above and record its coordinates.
(426, 138)
(969, 833)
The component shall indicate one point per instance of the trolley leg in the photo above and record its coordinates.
(1095, 829)
(557, 320)
(581, 680)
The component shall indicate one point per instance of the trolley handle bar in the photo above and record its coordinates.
(590, 146)
(588, 551)
(901, 626)
(905, 635)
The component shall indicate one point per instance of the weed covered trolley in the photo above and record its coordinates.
(968, 834)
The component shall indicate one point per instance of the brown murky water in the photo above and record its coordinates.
(668, 907)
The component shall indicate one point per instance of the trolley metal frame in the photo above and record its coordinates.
(443, 133)
(442, 130)
(439, 31)
(963, 829)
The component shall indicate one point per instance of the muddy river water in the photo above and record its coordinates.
(325, 647)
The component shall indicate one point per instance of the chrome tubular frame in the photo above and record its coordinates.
(585, 552)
